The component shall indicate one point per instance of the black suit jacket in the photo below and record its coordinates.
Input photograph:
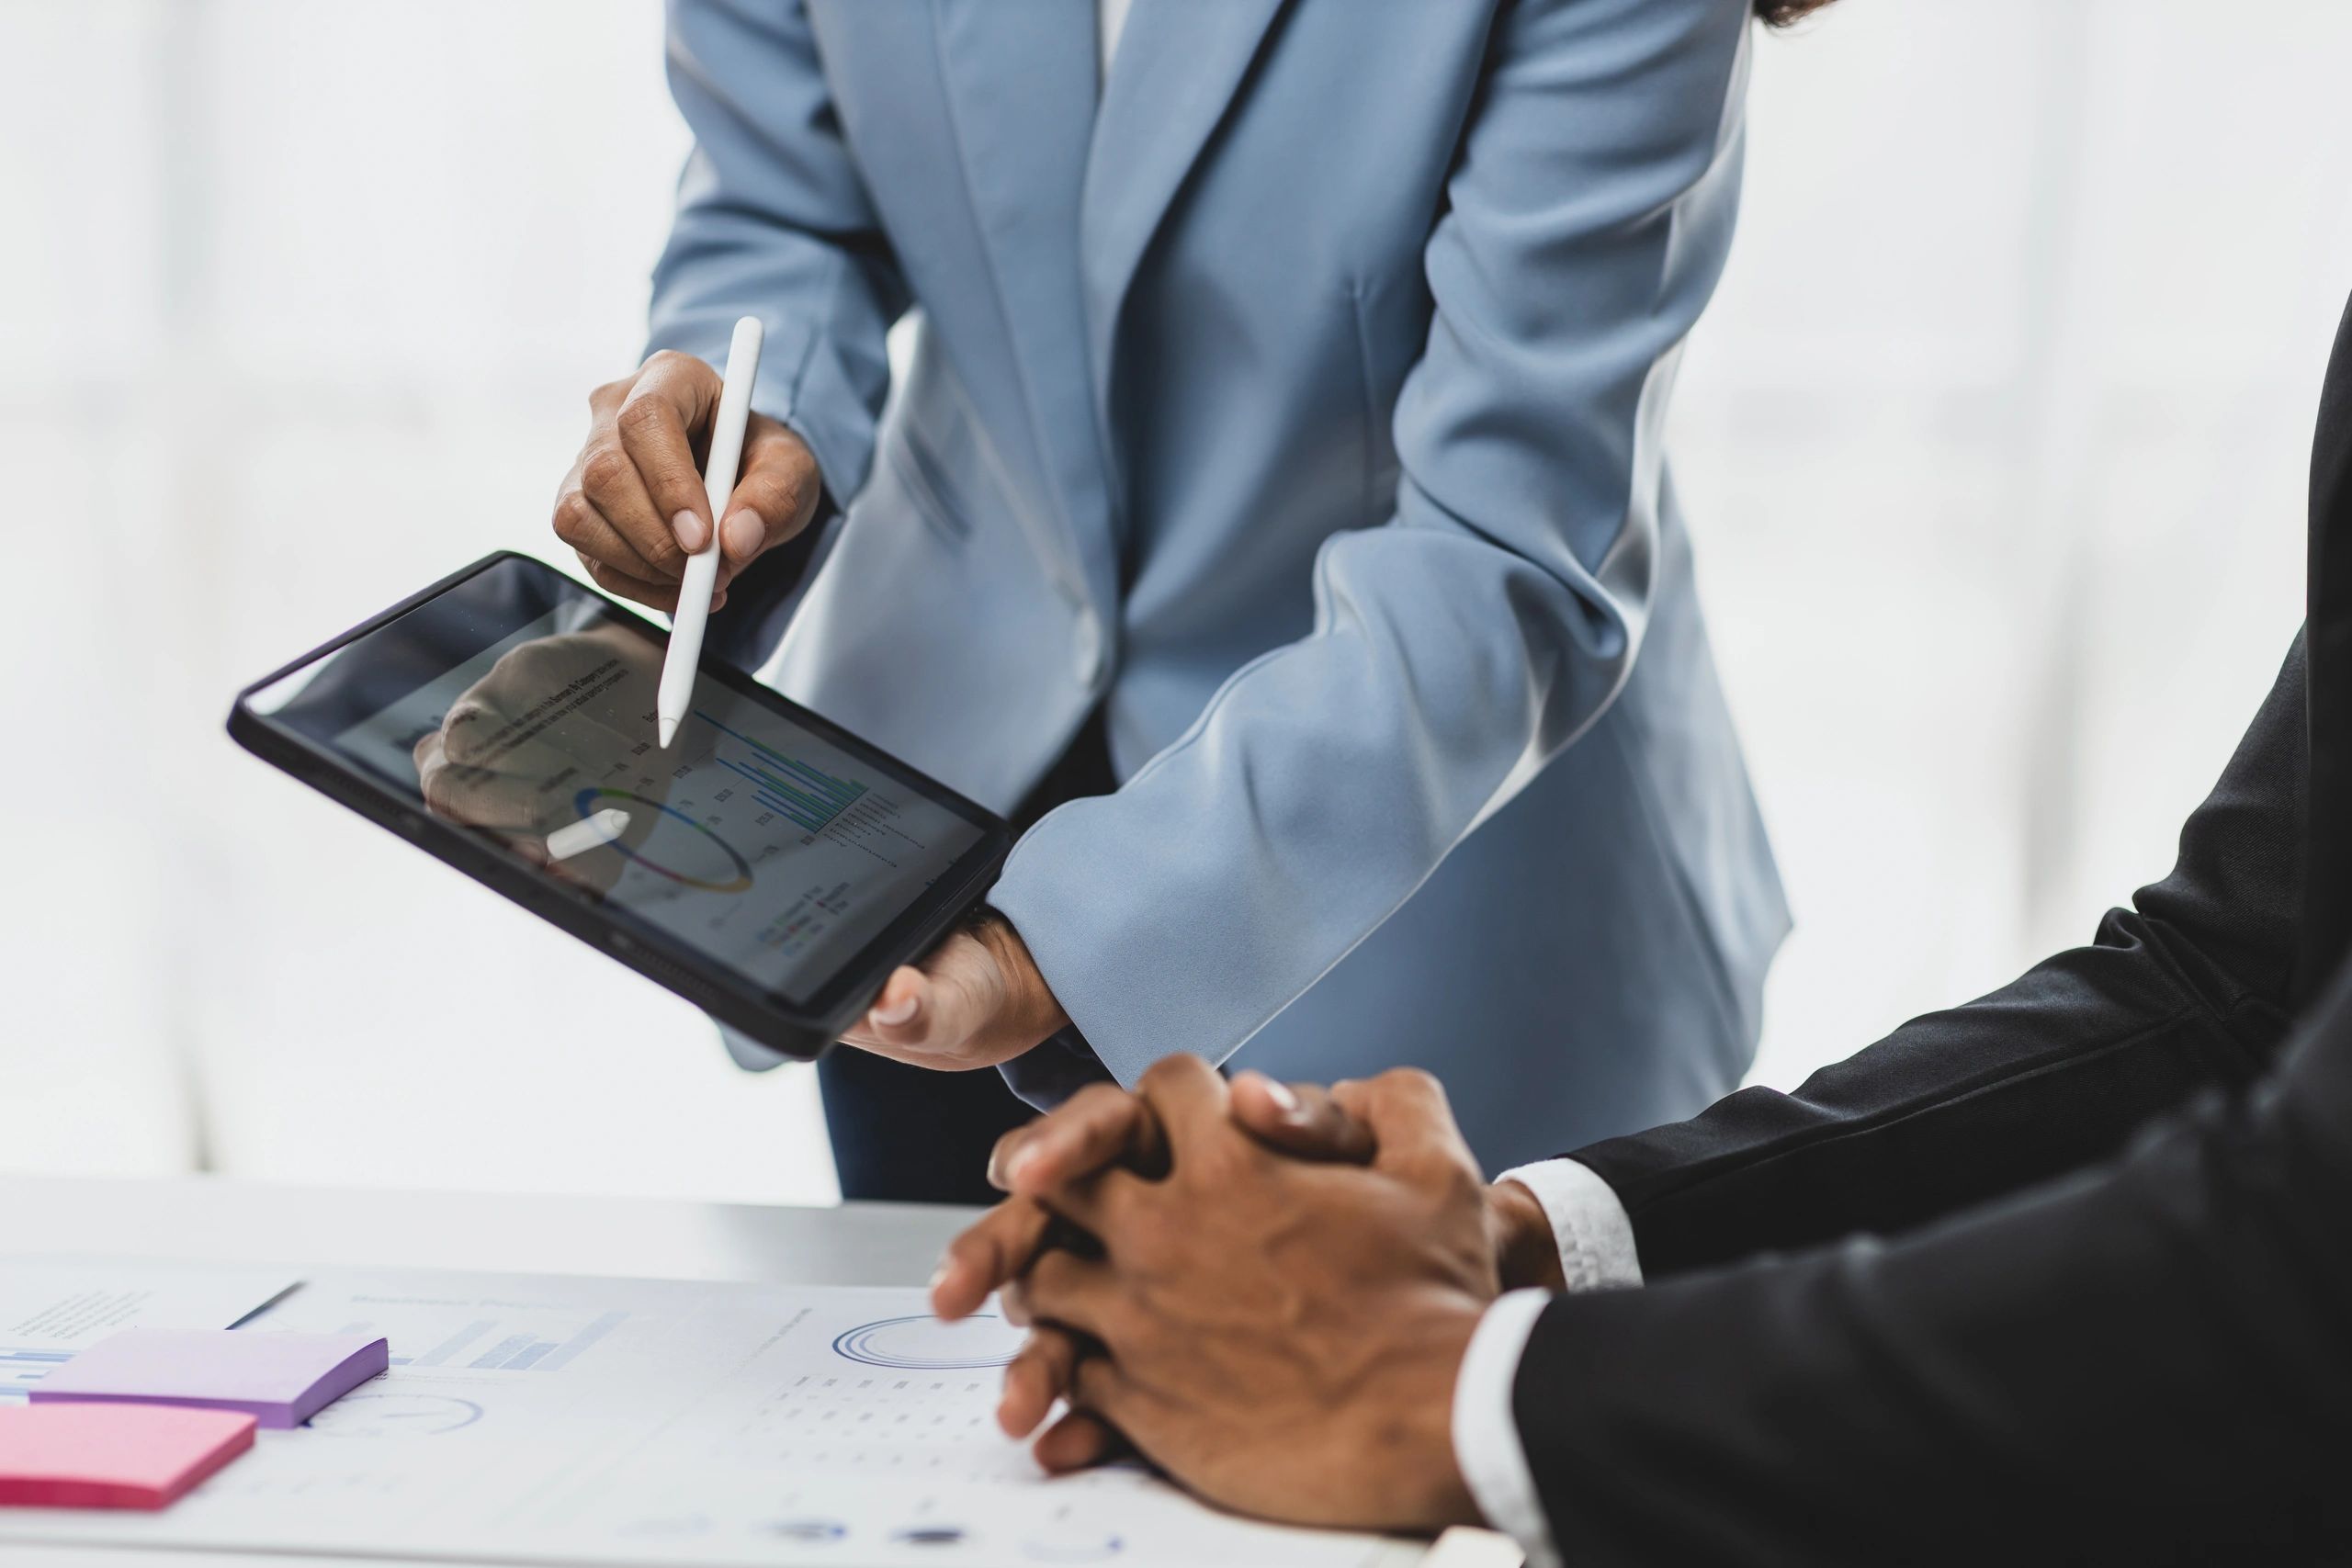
(2064, 1274)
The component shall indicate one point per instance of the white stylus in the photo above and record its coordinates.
(677, 692)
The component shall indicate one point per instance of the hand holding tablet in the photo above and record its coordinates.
(768, 867)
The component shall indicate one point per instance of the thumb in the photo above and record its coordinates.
(943, 1002)
(1300, 1119)
(777, 491)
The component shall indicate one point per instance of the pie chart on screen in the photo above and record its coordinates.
(678, 848)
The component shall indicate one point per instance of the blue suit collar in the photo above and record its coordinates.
(1178, 66)
(1068, 192)
(1021, 84)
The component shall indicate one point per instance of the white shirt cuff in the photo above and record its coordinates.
(1589, 1221)
(1486, 1431)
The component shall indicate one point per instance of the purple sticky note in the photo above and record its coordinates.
(280, 1379)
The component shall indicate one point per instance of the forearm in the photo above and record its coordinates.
(2154, 1353)
(1460, 646)
(2184, 992)
(773, 220)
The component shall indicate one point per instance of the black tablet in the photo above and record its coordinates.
(768, 867)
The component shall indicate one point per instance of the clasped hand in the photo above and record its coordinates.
(1266, 1291)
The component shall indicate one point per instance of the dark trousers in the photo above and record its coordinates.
(911, 1136)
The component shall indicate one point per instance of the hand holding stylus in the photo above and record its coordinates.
(701, 577)
(635, 504)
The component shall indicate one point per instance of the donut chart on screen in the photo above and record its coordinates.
(705, 861)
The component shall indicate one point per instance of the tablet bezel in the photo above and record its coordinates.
(802, 1028)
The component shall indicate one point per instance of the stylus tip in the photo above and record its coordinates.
(668, 730)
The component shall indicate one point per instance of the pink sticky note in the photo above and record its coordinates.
(280, 1379)
(112, 1456)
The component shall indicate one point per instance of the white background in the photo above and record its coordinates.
(1995, 443)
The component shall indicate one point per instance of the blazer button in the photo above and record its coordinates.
(1087, 648)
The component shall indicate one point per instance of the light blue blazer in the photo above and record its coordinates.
(1296, 392)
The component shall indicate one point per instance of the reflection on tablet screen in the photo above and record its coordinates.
(753, 839)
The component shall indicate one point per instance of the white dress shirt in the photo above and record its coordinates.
(1110, 21)
(1596, 1241)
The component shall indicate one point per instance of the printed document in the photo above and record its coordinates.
(51, 1307)
(569, 1420)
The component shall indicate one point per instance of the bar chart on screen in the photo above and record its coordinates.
(823, 805)
(805, 794)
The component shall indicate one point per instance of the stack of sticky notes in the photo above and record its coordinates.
(279, 1380)
(137, 1420)
(100, 1456)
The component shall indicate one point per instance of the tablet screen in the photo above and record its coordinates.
(519, 705)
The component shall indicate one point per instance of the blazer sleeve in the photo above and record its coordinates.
(2189, 988)
(773, 220)
(1464, 643)
(2148, 1362)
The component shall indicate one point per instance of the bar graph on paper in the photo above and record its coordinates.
(20, 1368)
(480, 1340)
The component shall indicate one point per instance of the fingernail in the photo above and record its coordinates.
(1023, 1159)
(743, 534)
(897, 1013)
(693, 533)
(1279, 1092)
(938, 1275)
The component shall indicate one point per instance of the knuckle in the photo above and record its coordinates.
(663, 552)
(642, 416)
(975, 1250)
(1096, 1101)
(605, 470)
(1051, 1274)
(1093, 1383)
(1221, 1161)
(785, 493)
(1001, 1155)
(1170, 1071)
(574, 517)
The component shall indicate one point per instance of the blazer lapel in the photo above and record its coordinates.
(2328, 645)
(1180, 63)
(1021, 87)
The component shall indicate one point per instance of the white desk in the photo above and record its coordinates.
(863, 1244)
(205, 1218)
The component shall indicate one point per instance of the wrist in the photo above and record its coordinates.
(1526, 1252)
(1412, 1463)
(1033, 1013)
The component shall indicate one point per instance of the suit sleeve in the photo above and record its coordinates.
(2147, 1362)
(773, 220)
(1482, 629)
(2186, 990)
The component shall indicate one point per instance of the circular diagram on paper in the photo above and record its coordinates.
(395, 1416)
(926, 1344)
